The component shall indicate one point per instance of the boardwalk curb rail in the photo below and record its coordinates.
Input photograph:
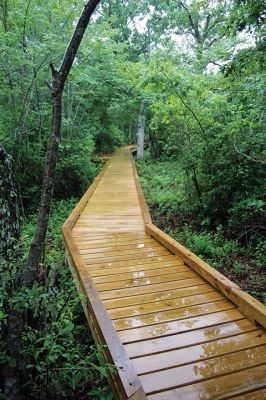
(252, 308)
(101, 301)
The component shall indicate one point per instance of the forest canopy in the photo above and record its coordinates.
(192, 74)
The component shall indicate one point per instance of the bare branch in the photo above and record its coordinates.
(48, 85)
(246, 155)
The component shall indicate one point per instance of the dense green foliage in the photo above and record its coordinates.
(166, 189)
(97, 108)
(211, 125)
(198, 67)
(58, 355)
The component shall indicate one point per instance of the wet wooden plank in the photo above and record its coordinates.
(256, 395)
(167, 294)
(200, 371)
(107, 229)
(129, 283)
(159, 306)
(136, 275)
(200, 352)
(112, 252)
(112, 237)
(115, 236)
(176, 314)
(134, 243)
(160, 287)
(125, 257)
(189, 338)
(87, 249)
(219, 388)
(136, 272)
(170, 328)
(114, 224)
(132, 262)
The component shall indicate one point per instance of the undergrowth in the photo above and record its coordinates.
(59, 358)
(174, 210)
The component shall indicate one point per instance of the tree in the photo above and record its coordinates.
(248, 14)
(35, 254)
(140, 133)
(201, 25)
(59, 78)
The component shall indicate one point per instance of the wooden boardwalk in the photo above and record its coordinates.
(173, 327)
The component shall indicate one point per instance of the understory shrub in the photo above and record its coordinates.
(58, 357)
(234, 247)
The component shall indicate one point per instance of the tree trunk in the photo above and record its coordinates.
(9, 250)
(13, 345)
(154, 145)
(196, 183)
(140, 133)
(15, 318)
(59, 79)
(37, 245)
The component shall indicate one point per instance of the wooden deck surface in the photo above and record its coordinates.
(179, 326)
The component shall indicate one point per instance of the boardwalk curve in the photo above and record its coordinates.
(173, 326)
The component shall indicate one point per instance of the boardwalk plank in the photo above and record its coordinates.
(145, 268)
(200, 352)
(129, 283)
(159, 306)
(200, 371)
(219, 388)
(172, 315)
(169, 328)
(189, 338)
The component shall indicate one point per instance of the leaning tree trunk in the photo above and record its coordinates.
(140, 133)
(15, 319)
(9, 254)
(37, 245)
(57, 88)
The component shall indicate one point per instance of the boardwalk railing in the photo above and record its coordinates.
(252, 308)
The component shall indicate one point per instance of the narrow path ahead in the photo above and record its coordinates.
(162, 313)
(114, 205)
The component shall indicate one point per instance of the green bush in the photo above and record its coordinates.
(58, 357)
(176, 210)
(211, 246)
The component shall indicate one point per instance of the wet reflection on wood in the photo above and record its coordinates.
(167, 304)
(170, 328)
(206, 350)
(190, 338)
(223, 387)
(184, 338)
(202, 370)
(173, 315)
